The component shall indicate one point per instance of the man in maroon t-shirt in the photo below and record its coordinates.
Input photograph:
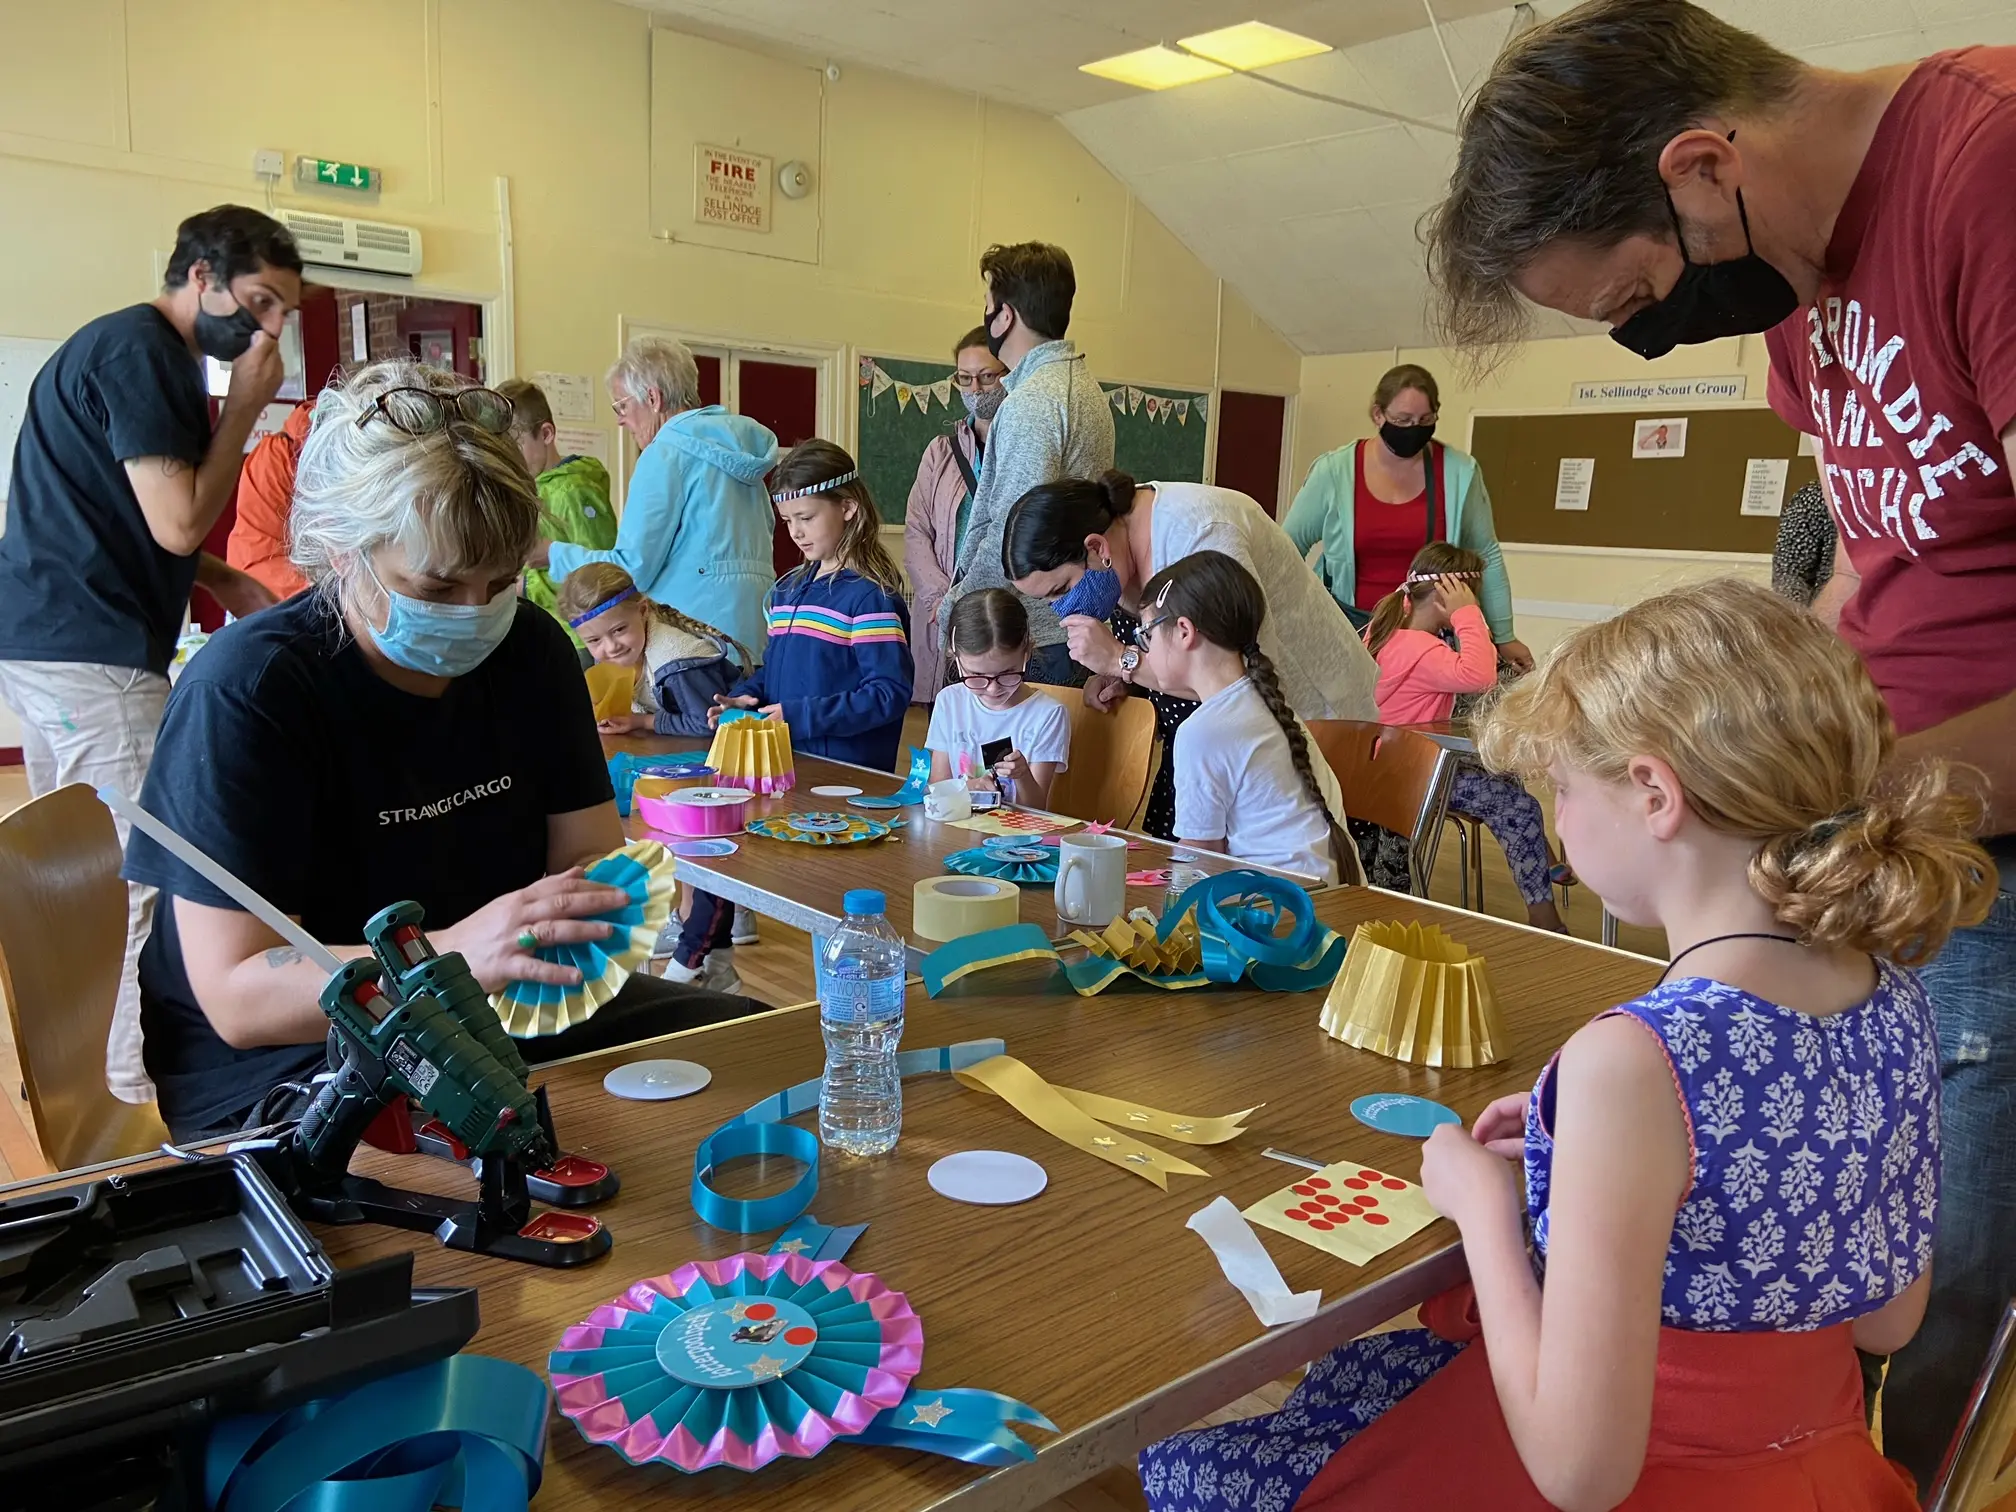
(1643, 163)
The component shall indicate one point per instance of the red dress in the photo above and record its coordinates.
(1385, 537)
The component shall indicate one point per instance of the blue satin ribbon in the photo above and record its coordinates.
(914, 786)
(814, 1240)
(468, 1432)
(625, 767)
(761, 1130)
(974, 1428)
(1237, 941)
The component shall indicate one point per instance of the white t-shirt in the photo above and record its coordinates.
(1038, 725)
(1325, 670)
(1236, 782)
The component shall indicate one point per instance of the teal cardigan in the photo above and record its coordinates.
(1325, 510)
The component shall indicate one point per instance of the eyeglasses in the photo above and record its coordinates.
(968, 382)
(1001, 682)
(1408, 422)
(1147, 628)
(422, 412)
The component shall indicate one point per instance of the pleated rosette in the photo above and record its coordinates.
(737, 1362)
(823, 828)
(1027, 863)
(644, 870)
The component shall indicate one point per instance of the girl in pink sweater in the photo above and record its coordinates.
(1419, 678)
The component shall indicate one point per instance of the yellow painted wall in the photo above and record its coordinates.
(117, 117)
(1337, 392)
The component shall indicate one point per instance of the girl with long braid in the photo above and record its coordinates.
(1247, 782)
(680, 663)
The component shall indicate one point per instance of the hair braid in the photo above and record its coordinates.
(1267, 683)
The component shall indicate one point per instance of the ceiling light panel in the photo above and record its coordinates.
(1155, 68)
(1253, 44)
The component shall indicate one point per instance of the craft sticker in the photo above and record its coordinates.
(1352, 1211)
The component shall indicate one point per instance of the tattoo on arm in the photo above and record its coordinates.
(173, 467)
(281, 956)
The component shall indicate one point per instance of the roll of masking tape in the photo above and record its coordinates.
(695, 813)
(950, 908)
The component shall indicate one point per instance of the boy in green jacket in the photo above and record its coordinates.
(575, 490)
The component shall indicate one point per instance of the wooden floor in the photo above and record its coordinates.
(778, 969)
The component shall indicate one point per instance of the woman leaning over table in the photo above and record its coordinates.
(411, 728)
(1374, 503)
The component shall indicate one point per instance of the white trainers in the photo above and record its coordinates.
(744, 931)
(716, 974)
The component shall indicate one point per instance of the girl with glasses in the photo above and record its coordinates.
(987, 700)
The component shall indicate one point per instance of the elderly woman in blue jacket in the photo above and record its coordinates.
(1371, 506)
(696, 526)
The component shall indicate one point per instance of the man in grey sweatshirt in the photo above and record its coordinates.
(1054, 424)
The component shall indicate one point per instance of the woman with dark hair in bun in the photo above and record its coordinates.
(1091, 545)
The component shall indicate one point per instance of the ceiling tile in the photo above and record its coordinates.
(1932, 13)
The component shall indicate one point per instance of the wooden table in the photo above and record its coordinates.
(803, 885)
(1091, 1302)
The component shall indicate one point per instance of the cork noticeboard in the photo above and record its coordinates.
(1688, 503)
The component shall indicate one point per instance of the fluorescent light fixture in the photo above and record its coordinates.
(1253, 44)
(1156, 68)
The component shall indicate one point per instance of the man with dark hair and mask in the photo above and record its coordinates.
(1645, 164)
(118, 478)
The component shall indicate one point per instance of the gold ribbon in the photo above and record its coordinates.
(1130, 939)
(1082, 1119)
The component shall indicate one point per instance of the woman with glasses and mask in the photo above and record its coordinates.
(1376, 502)
(941, 502)
(410, 728)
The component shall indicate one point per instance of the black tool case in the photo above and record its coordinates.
(137, 1309)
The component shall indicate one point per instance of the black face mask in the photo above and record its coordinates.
(1406, 440)
(994, 343)
(1740, 297)
(225, 337)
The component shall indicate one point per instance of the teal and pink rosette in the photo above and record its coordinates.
(738, 1362)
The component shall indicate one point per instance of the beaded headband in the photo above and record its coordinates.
(827, 487)
(602, 608)
(1436, 577)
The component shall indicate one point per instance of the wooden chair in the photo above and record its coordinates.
(1112, 757)
(62, 941)
(1397, 779)
(1978, 1472)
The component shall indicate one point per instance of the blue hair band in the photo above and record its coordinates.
(604, 607)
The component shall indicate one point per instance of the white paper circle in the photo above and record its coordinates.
(656, 1080)
(988, 1178)
(836, 790)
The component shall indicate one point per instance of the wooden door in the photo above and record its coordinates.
(1250, 428)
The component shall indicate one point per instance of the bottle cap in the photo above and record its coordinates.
(864, 900)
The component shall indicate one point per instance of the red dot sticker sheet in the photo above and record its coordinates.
(1351, 1211)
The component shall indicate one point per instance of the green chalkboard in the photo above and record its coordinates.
(904, 406)
(1162, 442)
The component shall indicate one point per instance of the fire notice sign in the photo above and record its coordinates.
(731, 188)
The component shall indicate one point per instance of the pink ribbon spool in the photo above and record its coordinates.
(696, 813)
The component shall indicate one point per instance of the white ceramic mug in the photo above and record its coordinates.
(1091, 879)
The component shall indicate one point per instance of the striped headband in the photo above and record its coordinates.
(603, 608)
(1436, 577)
(826, 487)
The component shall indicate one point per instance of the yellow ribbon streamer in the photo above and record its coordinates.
(1141, 1119)
(1130, 939)
(1076, 1118)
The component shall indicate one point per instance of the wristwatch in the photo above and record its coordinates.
(1130, 658)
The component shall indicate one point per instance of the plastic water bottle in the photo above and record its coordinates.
(860, 972)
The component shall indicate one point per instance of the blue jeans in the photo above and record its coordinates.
(1973, 986)
(1053, 665)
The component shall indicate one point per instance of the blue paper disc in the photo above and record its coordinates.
(698, 850)
(737, 1341)
(1402, 1113)
(819, 824)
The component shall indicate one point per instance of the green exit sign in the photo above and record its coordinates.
(333, 175)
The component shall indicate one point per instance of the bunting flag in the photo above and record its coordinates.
(868, 371)
(1119, 398)
(1198, 405)
(942, 392)
(883, 382)
(1134, 398)
(903, 393)
(1182, 411)
(1154, 404)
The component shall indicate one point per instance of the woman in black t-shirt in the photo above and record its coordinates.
(410, 729)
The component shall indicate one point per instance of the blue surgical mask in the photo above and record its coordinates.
(1097, 593)
(441, 640)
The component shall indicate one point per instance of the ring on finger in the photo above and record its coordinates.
(528, 939)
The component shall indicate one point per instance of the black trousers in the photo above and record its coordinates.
(645, 1008)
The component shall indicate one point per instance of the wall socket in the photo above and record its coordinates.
(269, 163)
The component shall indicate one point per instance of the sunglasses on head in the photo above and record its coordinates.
(423, 412)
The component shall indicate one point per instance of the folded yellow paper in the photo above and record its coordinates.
(1130, 939)
(1057, 1112)
(1416, 995)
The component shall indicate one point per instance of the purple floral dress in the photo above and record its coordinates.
(1815, 1188)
